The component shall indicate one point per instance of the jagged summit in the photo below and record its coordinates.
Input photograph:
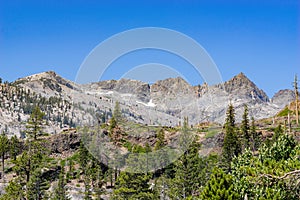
(237, 81)
(242, 76)
(172, 86)
(169, 82)
(168, 100)
(283, 97)
(242, 85)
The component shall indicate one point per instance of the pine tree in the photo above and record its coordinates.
(160, 139)
(245, 128)
(60, 192)
(97, 178)
(255, 136)
(85, 165)
(188, 176)
(219, 187)
(37, 186)
(4, 148)
(35, 124)
(14, 147)
(13, 191)
(29, 166)
(231, 146)
(117, 112)
(161, 154)
(131, 186)
(113, 124)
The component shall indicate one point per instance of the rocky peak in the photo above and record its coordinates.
(172, 85)
(241, 85)
(45, 80)
(283, 97)
(240, 80)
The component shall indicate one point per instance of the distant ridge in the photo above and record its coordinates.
(164, 102)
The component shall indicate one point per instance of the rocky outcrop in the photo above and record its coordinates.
(283, 97)
(138, 88)
(107, 85)
(165, 102)
(242, 86)
(65, 141)
(171, 86)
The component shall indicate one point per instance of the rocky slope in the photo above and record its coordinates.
(283, 97)
(165, 102)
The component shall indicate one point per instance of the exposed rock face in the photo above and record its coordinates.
(64, 142)
(171, 86)
(138, 88)
(107, 85)
(242, 86)
(124, 86)
(172, 95)
(165, 102)
(283, 97)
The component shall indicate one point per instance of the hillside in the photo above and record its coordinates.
(165, 102)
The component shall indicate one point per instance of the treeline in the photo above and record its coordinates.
(249, 167)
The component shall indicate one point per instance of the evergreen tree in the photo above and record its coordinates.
(160, 139)
(13, 191)
(84, 160)
(4, 148)
(231, 146)
(161, 154)
(35, 124)
(219, 187)
(132, 186)
(278, 131)
(37, 186)
(14, 147)
(113, 124)
(188, 174)
(30, 165)
(245, 128)
(97, 178)
(117, 112)
(273, 174)
(255, 136)
(188, 168)
(60, 192)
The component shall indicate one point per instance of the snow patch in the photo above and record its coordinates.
(99, 93)
(149, 104)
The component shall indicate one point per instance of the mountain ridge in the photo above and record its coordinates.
(165, 102)
(231, 85)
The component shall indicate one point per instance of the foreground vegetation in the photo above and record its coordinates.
(249, 166)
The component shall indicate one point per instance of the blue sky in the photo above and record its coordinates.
(259, 38)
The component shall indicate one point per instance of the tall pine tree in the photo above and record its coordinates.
(4, 148)
(231, 146)
(188, 167)
(255, 136)
(245, 129)
(60, 192)
(35, 124)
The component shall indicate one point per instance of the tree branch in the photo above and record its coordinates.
(269, 176)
